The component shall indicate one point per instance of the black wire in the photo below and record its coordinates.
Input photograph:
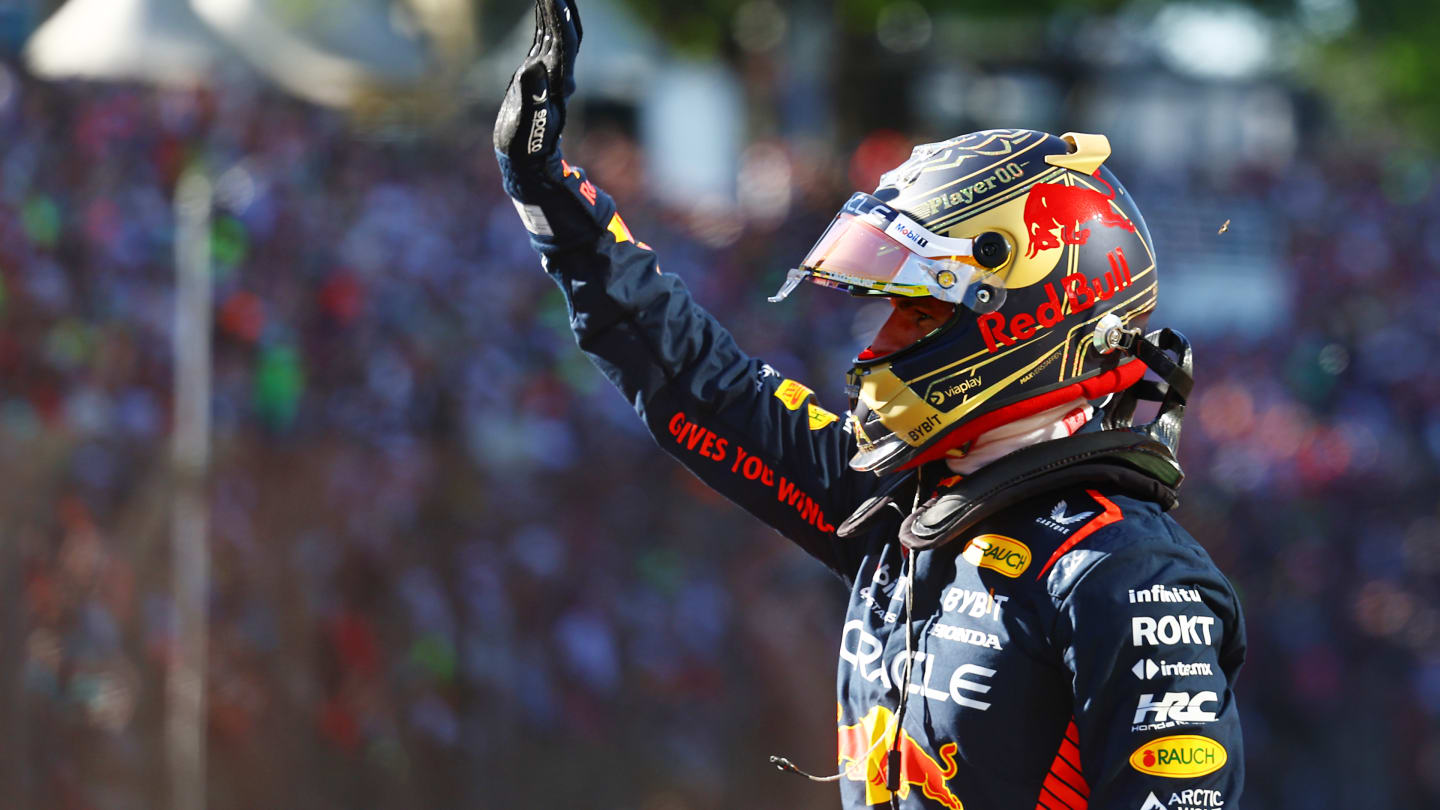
(892, 765)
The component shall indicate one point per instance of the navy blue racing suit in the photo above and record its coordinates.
(1077, 649)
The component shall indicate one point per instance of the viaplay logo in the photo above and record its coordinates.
(1182, 756)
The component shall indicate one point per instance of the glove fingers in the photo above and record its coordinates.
(558, 37)
(527, 128)
(572, 16)
(540, 29)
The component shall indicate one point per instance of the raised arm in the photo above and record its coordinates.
(745, 430)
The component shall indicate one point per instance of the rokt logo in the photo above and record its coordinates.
(1149, 631)
(998, 553)
(1182, 756)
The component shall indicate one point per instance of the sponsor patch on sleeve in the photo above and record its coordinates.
(819, 417)
(792, 393)
(1182, 756)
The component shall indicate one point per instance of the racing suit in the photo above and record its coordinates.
(1075, 649)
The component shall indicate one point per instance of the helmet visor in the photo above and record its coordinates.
(870, 248)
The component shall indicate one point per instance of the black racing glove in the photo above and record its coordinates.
(527, 130)
(559, 206)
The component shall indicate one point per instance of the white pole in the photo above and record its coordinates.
(190, 551)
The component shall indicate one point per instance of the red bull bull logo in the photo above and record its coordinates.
(863, 749)
(1056, 214)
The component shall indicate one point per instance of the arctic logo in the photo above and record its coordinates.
(1146, 669)
(1192, 799)
(1170, 630)
(1175, 709)
(1061, 522)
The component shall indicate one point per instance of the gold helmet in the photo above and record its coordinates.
(1039, 261)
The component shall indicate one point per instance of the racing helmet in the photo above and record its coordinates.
(1039, 258)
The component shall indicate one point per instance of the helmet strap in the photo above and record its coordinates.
(1172, 391)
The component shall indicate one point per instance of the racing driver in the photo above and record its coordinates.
(1027, 625)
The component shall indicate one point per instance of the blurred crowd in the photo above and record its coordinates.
(448, 567)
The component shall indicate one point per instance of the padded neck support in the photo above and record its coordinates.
(1137, 461)
(1123, 460)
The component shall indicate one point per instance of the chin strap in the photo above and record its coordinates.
(1176, 381)
(1136, 460)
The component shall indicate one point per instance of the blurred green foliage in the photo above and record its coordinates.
(1384, 71)
(1380, 71)
(1383, 68)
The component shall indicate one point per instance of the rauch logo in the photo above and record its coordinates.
(1182, 756)
(998, 553)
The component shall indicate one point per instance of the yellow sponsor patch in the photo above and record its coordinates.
(998, 553)
(819, 417)
(1182, 756)
(618, 228)
(793, 394)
